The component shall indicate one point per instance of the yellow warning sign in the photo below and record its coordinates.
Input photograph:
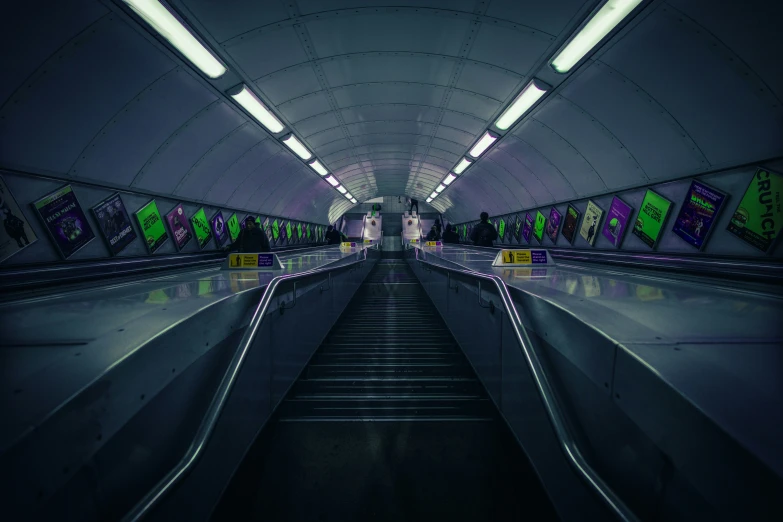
(243, 260)
(516, 257)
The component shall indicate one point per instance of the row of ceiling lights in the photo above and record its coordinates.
(160, 18)
(603, 20)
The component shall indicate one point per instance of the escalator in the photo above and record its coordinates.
(387, 422)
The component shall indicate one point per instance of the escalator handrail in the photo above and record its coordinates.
(554, 411)
(210, 420)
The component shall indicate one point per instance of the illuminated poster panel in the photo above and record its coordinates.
(591, 224)
(219, 230)
(288, 232)
(652, 215)
(114, 222)
(275, 230)
(539, 226)
(179, 226)
(570, 223)
(64, 220)
(617, 220)
(232, 224)
(502, 229)
(553, 224)
(517, 229)
(309, 232)
(759, 216)
(152, 227)
(16, 233)
(201, 228)
(527, 228)
(299, 231)
(698, 214)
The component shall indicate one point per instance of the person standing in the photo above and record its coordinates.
(413, 203)
(484, 233)
(433, 234)
(251, 239)
(449, 236)
(333, 237)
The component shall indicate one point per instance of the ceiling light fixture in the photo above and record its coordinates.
(440, 188)
(433, 195)
(465, 163)
(601, 24)
(429, 199)
(169, 27)
(353, 201)
(247, 99)
(348, 195)
(295, 145)
(332, 181)
(522, 103)
(341, 189)
(451, 177)
(320, 169)
(483, 144)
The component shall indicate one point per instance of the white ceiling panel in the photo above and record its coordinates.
(554, 181)
(402, 127)
(475, 105)
(325, 137)
(415, 93)
(236, 173)
(456, 135)
(318, 123)
(505, 158)
(489, 81)
(322, 6)
(304, 107)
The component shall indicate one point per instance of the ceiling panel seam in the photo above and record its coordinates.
(390, 134)
(546, 158)
(380, 143)
(168, 141)
(309, 49)
(361, 105)
(605, 131)
(387, 121)
(488, 175)
(570, 145)
(522, 165)
(349, 56)
(225, 171)
(198, 162)
(514, 176)
(63, 51)
(112, 121)
(254, 170)
(285, 165)
(281, 184)
(465, 46)
(343, 13)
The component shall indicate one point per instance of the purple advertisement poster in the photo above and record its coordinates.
(115, 223)
(527, 228)
(698, 213)
(616, 221)
(179, 226)
(65, 221)
(219, 229)
(553, 225)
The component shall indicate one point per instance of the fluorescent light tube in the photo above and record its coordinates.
(341, 189)
(465, 163)
(440, 188)
(526, 99)
(348, 195)
(429, 199)
(451, 177)
(320, 169)
(170, 28)
(295, 145)
(258, 110)
(332, 181)
(601, 24)
(483, 144)
(434, 195)
(353, 201)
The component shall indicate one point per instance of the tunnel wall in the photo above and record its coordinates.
(26, 189)
(733, 182)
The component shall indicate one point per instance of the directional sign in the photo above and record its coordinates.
(433, 243)
(522, 257)
(252, 262)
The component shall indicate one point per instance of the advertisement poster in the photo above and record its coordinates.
(698, 214)
(275, 230)
(518, 229)
(617, 221)
(232, 224)
(201, 228)
(287, 232)
(16, 234)
(553, 225)
(219, 228)
(591, 223)
(539, 226)
(502, 229)
(65, 221)
(652, 215)
(527, 228)
(151, 225)
(759, 216)
(179, 226)
(570, 223)
(114, 223)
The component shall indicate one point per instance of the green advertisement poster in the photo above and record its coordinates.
(275, 230)
(538, 228)
(502, 229)
(309, 232)
(152, 227)
(652, 215)
(288, 231)
(299, 231)
(759, 216)
(233, 227)
(201, 228)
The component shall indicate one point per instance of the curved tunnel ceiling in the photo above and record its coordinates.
(389, 96)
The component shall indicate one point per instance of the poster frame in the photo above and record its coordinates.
(530, 233)
(718, 212)
(599, 222)
(171, 230)
(228, 227)
(664, 221)
(48, 230)
(94, 212)
(218, 242)
(576, 225)
(23, 218)
(201, 210)
(136, 214)
(625, 228)
(773, 244)
(543, 229)
(554, 210)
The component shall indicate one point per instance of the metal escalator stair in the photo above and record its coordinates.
(389, 357)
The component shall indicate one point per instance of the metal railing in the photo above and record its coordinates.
(545, 391)
(200, 440)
